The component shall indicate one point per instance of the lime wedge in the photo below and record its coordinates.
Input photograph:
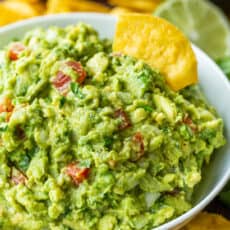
(203, 23)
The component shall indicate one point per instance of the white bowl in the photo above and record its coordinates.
(212, 81)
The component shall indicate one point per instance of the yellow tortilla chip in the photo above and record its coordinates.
(37, 5)
(207, 221)
(28, 1)
(158, 43)
(40, 7)
(120, 10)
(138, 5)
(12, 11)
(58, 6)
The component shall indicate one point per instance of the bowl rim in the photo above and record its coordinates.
(86, 15)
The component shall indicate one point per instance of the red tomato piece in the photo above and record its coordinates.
(138, 140)
(61, 82)
(125, 122)
(15, 50)
(17, 177)
(188, 121)
(78, 68)
(78, 175)
(6, 106)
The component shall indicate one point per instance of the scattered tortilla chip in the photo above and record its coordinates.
(120, 10)
(138, 5)
(12, 11)
(28, 1)
(158, 43)
(59, 6)
(38, 5)
(208, 221)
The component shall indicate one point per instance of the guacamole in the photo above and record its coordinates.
(95, 140)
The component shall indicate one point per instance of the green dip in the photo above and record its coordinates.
(95, 140)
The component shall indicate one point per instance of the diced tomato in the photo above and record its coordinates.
(61, 82)
(17, 177)
(78, 175)
(188, 121)
(61, 79)
(125, 122)
(76, 66)
(139, 144)
(6, 106)
(15, 50)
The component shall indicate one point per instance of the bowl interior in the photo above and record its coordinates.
(212, 81)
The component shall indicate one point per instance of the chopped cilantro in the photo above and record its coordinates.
(146, 108)
(108, 141)
(3, 127)
(62, 102)
(207, 134)
(76, 90)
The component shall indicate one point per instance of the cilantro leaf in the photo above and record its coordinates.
(76, 90)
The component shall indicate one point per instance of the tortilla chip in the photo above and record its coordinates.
(40, 7)
(59, 6)
(137, 5)
(37, 5)
(28, 1)
(12, 11)
(158, 43)
(208, 221)
(120, 10)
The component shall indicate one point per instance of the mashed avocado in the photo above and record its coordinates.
(93, 140)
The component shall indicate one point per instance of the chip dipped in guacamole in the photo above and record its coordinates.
(94, 140)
